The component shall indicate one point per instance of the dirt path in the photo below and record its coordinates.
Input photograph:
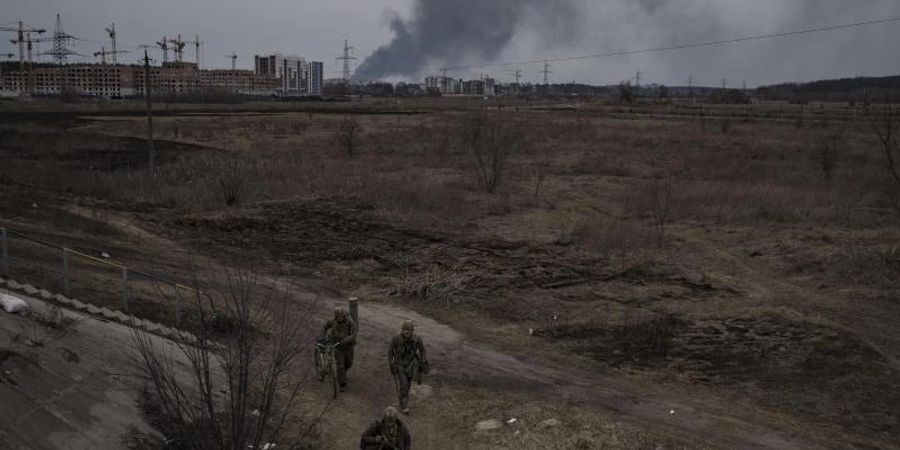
(459, 362)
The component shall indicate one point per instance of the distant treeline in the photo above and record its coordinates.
(863, 90)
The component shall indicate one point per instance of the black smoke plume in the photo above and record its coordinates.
(450, 32)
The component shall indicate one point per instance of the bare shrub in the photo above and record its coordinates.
(231, 177)
(725, 125)
(436, 284)
(825, 153)
(348, 135)
(489, 143)
(538, 174)
(885, 122)
(654, 199)
(228, 391)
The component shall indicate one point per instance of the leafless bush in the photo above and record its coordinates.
(228, 391)
(825, 153)
(656, 200)
(725, 125)
(231, 177)
(489, 144)
(885, 121)
(436, 284)
(538, 174)
(348, 135)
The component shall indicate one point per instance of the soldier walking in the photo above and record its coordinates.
(407, 360)
(389, 433)
(341, 331)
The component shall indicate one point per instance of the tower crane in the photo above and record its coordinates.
(112, 36)
(234, 57)
(197, 44)
(164, 45)
(103, 52)
(23, 36)
(178, 48)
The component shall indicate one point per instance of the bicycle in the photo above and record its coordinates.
(326, 364)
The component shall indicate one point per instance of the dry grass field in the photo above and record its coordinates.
(742, 259)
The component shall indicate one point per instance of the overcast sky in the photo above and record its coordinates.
(434, 33)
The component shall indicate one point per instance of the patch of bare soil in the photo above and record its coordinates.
(823, 373)
(344, 240)
(316, 233)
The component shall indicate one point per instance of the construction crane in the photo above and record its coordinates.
(102, 54)
(197, 43)
(112, 36)
(234, 58)
(164, 45)
(178, 48)
(23, 31)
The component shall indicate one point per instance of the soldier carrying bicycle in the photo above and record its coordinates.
(341, 332)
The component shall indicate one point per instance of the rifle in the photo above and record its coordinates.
(394, 370)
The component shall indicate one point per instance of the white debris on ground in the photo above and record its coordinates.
(550, 423)
(12, 304)
(420, 391)
(486, 425)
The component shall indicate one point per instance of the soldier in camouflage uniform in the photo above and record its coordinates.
(342, 331)
(389, 433)
(407, 360)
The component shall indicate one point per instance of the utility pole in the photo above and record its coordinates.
(637, 79)
(690, 86)
(147, 93)
(518, 75)
(546, 73)
(60, 42)
(346, 59)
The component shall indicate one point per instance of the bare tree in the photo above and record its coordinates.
(488, 144)
(885, 121)
(825, 153)
(348, 135)
(655, 200)
(240, 382)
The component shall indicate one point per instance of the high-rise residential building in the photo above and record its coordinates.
(315, 75)
(289, 70)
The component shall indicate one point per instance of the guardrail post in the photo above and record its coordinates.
(65, 271)
(4, 252)
(125, 288)
(353, 307)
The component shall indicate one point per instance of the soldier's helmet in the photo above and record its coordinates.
(390, 414)
(408, 326)
(340, 313)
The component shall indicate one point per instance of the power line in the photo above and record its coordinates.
(673, 47)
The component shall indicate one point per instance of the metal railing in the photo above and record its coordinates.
(33, 268)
